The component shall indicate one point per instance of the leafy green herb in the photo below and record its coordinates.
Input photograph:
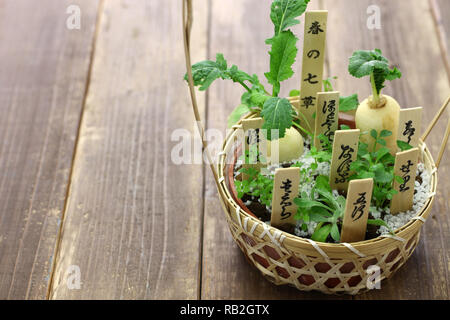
(257, 185)
(284, 14)
(372, 63)
(376, 164)
(326, 209)
(277, 114)
(294, 93)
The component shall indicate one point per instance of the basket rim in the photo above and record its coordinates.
(293, 241)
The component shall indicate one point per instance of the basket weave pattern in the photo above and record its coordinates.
(285, 259)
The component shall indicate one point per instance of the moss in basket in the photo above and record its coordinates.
(278, 113)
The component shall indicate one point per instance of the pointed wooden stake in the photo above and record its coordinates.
(409, 125)
(357, 210)
(312, 64)
(255, 145)
(345, 150)
(405, 166)
(285, 189)
(327, 115)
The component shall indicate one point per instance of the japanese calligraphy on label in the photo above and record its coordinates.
(409, 125)
(345, 149)
(255, 144)
(327, 115)
(356, 213)
(405, 166)
(285, 190)
(312, 64)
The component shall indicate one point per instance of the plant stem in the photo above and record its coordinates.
(301, 128)
(376, 96)
(245, 86)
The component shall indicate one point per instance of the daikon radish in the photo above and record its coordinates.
(290, 146)
(379, 112)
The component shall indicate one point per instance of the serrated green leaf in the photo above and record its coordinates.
(363, 63)
(284, 13)
(277, 114)
(282, 57)
(348, 103)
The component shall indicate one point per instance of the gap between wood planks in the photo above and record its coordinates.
(205, 168)
(74, 155)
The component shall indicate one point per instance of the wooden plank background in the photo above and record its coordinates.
(86, 118)
(43, 76)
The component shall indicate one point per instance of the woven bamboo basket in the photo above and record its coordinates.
(286, 259)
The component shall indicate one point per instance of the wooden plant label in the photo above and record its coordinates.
(312, 64)
(409, 125)
(345, 149)
(326, 116)
(405, 166)
(357, 208)
(285, 190)
(255, 144)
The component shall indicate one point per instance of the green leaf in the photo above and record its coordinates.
(399, 179)
(381, 153)
(374, 134)
(277, 114)
(382, 142)
(284, 13)
(205, 72)
(323, 183)
(282, 57)
(309, 204)
(382, 176)
(294, 93)
(345, 127)
(377, 222)
(327, 85)
(237, 113)
(394, 74)
(348, 103)
(239, 76)
(321, 233)
(367, 63)
(335, 233)
(385, 133)
(403, 145)
(363, 63)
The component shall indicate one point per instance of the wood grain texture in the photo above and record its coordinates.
(405, 31)
(132, 223)
(44, 68)
(225, 272)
